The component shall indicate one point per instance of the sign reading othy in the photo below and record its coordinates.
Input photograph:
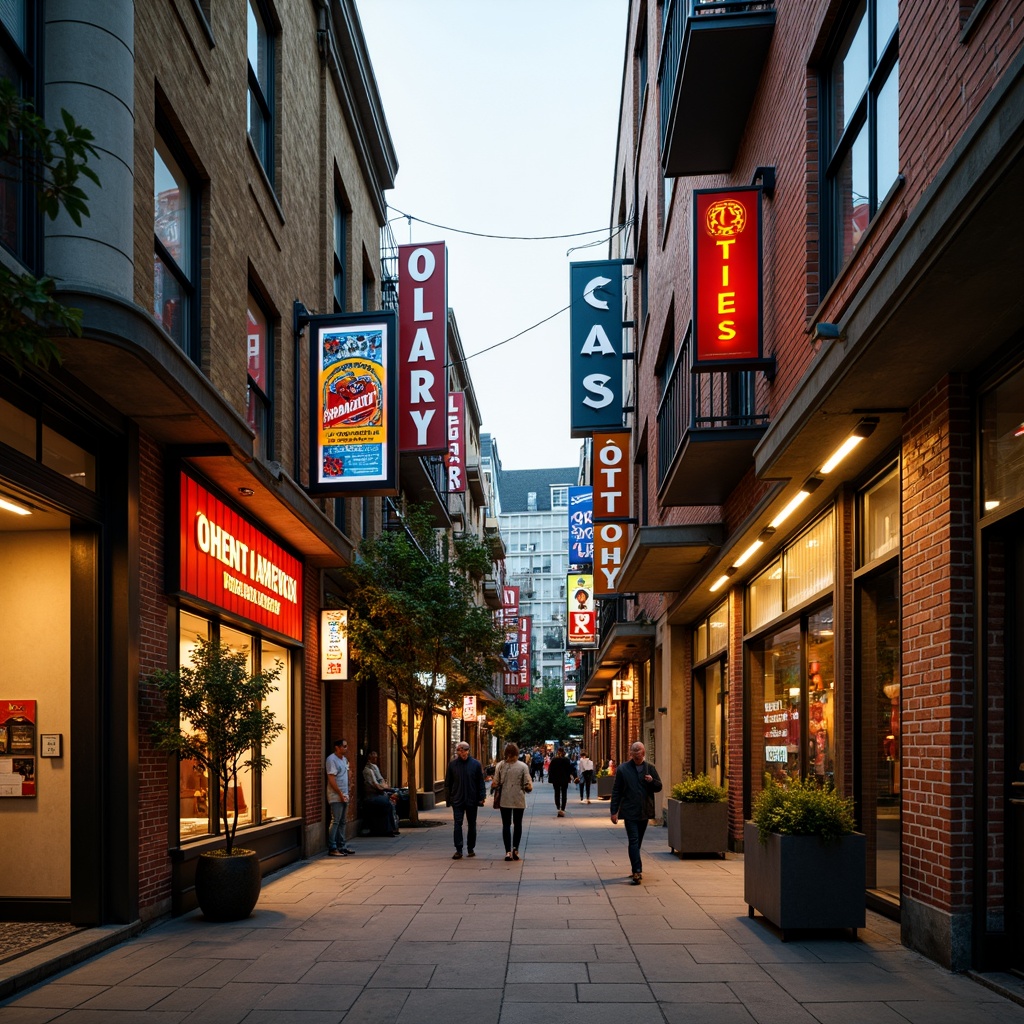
(225, 561)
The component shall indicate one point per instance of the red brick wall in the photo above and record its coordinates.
(937, 639)
(154, 863)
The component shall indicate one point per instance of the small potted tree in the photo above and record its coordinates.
(215, 715)
(698, 816)
(803, 863)
(605, 781)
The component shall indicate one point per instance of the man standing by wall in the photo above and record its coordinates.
(636, 782)
(337, 798)
(465, 792)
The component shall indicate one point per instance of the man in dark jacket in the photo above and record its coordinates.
(465, 792)
(633, 791)
(560, 774)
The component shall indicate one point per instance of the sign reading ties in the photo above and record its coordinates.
(595, 334)
(581, 616)
(422, 346)
(727, 278)
(581, 525)
(354, 434)
(456, 443)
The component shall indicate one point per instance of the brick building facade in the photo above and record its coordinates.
(852, 620)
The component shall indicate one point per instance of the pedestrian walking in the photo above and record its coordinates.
(514, 779)
(465, 792)
(537, 765)
(633, 791)
(560, 774)
(586, 772)
(336, 767)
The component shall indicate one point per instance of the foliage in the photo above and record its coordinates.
(51, 161)
(698, 789)
(215, 715)
(544, 716)
(802, 808)
(414, 625)
(602, 773)
(508, 722)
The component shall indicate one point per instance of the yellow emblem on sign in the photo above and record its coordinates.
(726, 218)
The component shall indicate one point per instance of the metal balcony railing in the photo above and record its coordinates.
(708, 401)
(388, 269)
(612, 611)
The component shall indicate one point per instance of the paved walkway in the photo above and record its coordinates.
(402, 933)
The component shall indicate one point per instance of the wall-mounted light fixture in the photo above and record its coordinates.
(864, 429)
(10, 506)
(662, 711)
(246, 492)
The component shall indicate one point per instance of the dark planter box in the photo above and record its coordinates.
(697, 827)
(604, 787)
(801, 882)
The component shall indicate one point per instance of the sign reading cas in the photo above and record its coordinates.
(595, 333)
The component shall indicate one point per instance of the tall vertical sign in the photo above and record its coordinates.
(595, 336)
(581, 617)
(354, 434)
(581, 525)
(727, 278)
(510, 625)
(525, 656)
(612, 489)
(422, 346)
(456, 442)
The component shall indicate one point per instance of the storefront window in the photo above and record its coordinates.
(193, 785)
(1002, 444)
(880, 519)
(275, 782)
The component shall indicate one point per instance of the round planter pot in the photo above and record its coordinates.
(227, 887)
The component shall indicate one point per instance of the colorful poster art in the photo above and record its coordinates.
(581, 525)
(582, 617)
(17, 748)
(354, 439)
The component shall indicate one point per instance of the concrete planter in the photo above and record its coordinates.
(802, 882)
(697, 827)
(604, 787)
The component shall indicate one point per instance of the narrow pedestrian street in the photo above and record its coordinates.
(402, 933)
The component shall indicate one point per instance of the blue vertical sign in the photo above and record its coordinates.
(595, 335)
(581, 525)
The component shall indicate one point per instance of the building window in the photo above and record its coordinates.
(641, 72)
(17, 198)
(340, 233)
(175, 263)
(259, 404)
(860, 120)
(1002, 445)
(262, 796)
(559, 497)
(260, 46)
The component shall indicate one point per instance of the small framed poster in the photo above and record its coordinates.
(51, 744)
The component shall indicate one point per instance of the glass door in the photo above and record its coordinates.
(710, 722)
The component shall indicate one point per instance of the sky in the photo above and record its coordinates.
(503, 115)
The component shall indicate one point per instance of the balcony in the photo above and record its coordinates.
(666, 559)
(492, 592)
(712, 55)
(708, 426)
(492, 537)
(424, 479)
(475, 480)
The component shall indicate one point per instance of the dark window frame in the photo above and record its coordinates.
(265, 101)
(340, 249)
(264, 398)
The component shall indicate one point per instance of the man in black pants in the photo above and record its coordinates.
(560, 774)
(636, 782)
(465, 792)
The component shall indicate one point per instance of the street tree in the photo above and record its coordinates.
(51, 163)
(415, 628)
(544, 716)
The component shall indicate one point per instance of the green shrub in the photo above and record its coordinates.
(802, 808)
(602, 773)
(698, 790)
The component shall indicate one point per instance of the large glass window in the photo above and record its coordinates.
(1002, 444)
(17, 206)
(860, 118)
(261, 798)
(260, 45)
(175, 264)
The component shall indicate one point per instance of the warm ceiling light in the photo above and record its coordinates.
(748, 553)
(18, 510)
(246, 492)
(864, 429)
(720, 582)
(800, 498)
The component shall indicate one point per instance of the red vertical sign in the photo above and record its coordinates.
(727, 276)
(525, 678)
(422, 346)
(612, 479)
(456, 443)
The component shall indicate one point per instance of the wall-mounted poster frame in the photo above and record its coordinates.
(17, 748)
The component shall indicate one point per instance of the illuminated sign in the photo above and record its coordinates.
(469, 708)
(612, 478)
(727, 278)
(525, 681)
(595, 337)
(622, 689)
(581, 525)
(333, 645)
(568, 694)
(353, 436)
(581, 617)
(456, 443)
(422, 346)
(226, 561)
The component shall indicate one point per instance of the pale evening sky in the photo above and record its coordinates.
(503, 115)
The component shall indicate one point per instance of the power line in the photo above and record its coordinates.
(506, 238)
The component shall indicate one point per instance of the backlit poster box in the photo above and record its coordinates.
(727, 295)
(354, 433)
(581, 525)
(17, 748)
(581, 617)
(333, 644)
(422, 346)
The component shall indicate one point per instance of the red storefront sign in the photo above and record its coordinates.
(610, 543)
(422, 347)
(727, 278)
(525, 680)
(226, 561)
(612, 478)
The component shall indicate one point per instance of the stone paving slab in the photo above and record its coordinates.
(402, 934)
